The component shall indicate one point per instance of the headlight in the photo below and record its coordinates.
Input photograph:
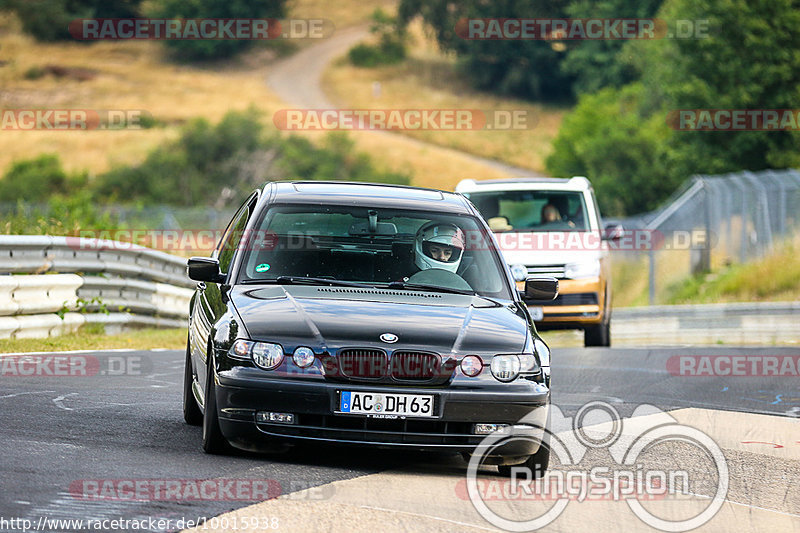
(505, 367)
(264, 354)
(303, 356)
(471, 365)
(543, 351)
(241, 349)
(528, 363)
(519, 272)
(584, 269)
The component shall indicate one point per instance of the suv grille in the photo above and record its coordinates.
(556, 271)
(579, 298)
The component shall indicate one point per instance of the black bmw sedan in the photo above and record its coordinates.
(364, 314)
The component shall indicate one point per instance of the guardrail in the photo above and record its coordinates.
(730, 323)
(118, 285)
(37, 254)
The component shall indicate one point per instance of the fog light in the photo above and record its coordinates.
(275, 418)
(303, 356)
(486, 429)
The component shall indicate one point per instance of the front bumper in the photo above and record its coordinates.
(559, 314)
(242, 392)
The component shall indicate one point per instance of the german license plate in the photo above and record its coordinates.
(537, 313)
(374, 403)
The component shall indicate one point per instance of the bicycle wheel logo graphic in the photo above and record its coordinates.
(626, 439)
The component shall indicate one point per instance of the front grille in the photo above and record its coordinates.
(363, 363)
(386, 431)
(578, 298)
(415, 366)
(556, 271)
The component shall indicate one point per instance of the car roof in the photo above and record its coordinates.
(577, 183)
(374, 194)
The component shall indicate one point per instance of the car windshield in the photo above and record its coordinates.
(378, 247)
(532, 210)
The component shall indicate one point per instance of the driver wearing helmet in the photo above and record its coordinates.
(439, 245)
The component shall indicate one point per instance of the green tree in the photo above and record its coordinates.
(34, 180)
(750, 60)
(612, 138)
(48, 20)
(604, 62)
(523, 68)
(391, 46)
(217, 9)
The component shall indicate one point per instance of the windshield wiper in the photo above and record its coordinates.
(426, 287)
(302, 280)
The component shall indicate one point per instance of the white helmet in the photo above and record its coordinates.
(451, 241)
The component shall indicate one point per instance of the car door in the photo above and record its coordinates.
(209, 302)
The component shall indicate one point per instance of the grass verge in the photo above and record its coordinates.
(92, 339)
(775, 277)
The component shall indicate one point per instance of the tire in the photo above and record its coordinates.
(213, 440)
(538, 462)
(191, 411)
(599, 335)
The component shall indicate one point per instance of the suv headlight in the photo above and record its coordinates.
(505, 368)
(583, 269)
(265, 355)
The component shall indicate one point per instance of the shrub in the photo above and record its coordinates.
(391, 46)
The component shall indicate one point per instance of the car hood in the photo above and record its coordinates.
(336, 317)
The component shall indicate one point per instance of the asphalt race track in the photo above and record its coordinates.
(123, 421)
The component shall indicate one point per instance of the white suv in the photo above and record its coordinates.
(552, 227)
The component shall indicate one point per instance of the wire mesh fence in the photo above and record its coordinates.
(717, 220)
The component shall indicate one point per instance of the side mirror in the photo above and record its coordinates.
(613, 232)
(543, 288)
(204, 269)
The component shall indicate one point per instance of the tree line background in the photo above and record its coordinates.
(622, 91)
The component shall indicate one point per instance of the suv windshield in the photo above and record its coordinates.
(376, 246)
(532, 210)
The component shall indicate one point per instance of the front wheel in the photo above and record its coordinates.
(213, 440)
(599, 335)
(537, 463)
(191, 412)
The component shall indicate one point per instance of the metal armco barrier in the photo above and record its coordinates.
(119, 285)
(732, 323)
